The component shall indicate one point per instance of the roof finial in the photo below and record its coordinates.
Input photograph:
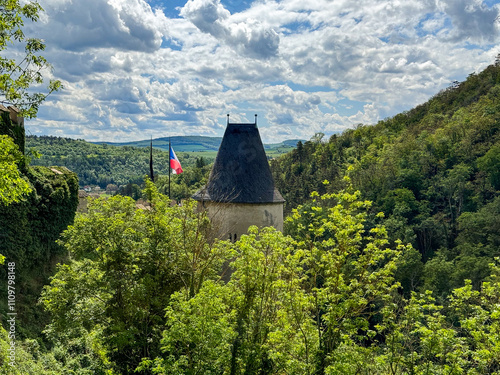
(228, 118)
(256, 119)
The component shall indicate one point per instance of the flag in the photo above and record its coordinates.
(174, 162)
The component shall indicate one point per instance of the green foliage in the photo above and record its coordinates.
(424, 168)
(13, 187)
(490, 163)
(350, 270)
(291, 305)
(28, 231)
(199, 332)
(478, 313)
(274, 329)
(125, 263)
(421, 341)
(478, 242)
(13, 130)
(29, 358)
(17, 76)
(130, 190)
(258, 322)
(321, 302)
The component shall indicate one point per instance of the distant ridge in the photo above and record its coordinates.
(192, 143)
(103, 163)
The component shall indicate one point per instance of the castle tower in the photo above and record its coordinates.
(240, 190)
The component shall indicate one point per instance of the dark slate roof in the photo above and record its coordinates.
(241, 173)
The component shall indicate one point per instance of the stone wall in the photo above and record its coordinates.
(231, 220)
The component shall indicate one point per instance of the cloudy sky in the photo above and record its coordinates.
(133, 69)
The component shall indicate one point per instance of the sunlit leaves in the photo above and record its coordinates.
(126, 262)
(13, 187)
(17, 75)
(350, 269)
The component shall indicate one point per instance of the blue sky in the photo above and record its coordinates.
(133, 69)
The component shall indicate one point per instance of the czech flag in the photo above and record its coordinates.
(174, 162)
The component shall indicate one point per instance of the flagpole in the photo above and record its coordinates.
(151, 171)
(169, 168)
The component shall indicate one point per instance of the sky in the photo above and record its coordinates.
(135, 69)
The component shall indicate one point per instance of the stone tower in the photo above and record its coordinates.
(240, 190)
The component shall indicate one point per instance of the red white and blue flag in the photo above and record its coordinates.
(174, 162)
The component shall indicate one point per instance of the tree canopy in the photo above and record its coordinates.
(20, 71)
(432, 170)
(13, 187)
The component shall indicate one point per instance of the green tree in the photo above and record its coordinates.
(478, 312)
(420, 340)
(199, 332)
(258, 323)
(423, 337)
(490, 163)
(18, 75)
(30, 358)
(275, 332)
(126, 262)
(13, 187)
(350, 271)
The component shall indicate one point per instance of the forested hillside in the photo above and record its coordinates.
(114, 166)
(127, 163)
(434, 171)
(99, 164)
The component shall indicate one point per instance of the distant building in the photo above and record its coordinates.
(240, 191)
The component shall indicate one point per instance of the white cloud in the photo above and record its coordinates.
(131, 72)
(249, 37)
(207, 15)
(472, 20)
(120, 24)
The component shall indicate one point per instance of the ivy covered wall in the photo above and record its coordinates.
(28, 234)
(29, 230)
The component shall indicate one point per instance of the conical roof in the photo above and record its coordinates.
(241, 173)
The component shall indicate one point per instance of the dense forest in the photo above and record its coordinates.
(101, 164)
(389, 263)
(435, 173)
(119, 168)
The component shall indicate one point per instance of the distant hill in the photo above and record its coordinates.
(103, 163)
(192, 143)
(180, 143)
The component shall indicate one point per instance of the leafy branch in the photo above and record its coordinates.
(18, 75)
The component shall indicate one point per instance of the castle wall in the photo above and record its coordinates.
(231, 220)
